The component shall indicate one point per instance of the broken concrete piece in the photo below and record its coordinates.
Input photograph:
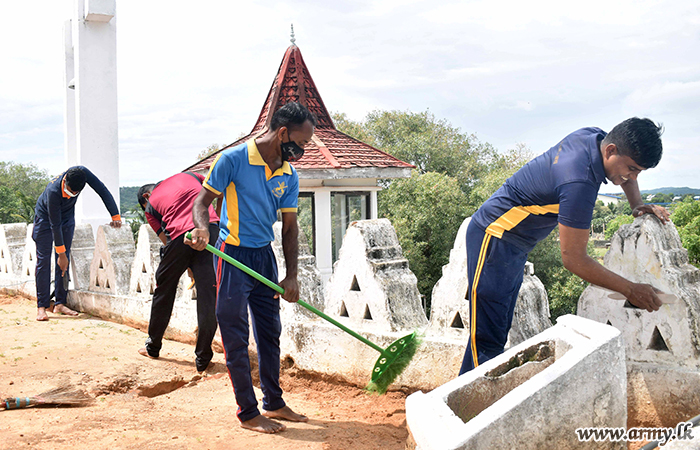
(449, 308)
(663, 347)
(372, 286)
(531, 314)
(523, 398)
(647, 251)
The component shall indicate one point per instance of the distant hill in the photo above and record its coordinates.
(127, 198)
(673, 190)
(666, 190)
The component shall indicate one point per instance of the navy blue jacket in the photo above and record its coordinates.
(58, 208)
(559, 186)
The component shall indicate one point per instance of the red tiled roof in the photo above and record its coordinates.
(329, 148)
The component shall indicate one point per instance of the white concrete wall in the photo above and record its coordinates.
(535, 403)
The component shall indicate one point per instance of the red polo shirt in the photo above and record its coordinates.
(169, 208)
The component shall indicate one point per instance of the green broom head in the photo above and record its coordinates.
(392, 362)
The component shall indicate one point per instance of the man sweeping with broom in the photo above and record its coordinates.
(257, 181)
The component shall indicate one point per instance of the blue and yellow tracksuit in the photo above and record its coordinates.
(559, 186)
(252, 197)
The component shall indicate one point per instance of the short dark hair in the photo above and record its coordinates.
(640, 139)
(75, 177)
(142, 190)
(292, 115)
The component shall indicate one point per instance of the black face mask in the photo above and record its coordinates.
(291, 151)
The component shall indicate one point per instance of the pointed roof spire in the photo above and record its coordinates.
(293, 39)
(329, 149)
(293, 82)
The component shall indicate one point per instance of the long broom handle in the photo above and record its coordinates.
(279, 289)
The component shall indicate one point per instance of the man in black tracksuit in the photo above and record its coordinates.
(168, 209)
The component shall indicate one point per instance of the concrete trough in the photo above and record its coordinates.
(533, 396)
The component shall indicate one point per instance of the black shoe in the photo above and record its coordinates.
(202, 367)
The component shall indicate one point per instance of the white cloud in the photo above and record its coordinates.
(191, 75)
(665, 97)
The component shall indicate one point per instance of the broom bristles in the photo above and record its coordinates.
(63, 395)
(396, 368)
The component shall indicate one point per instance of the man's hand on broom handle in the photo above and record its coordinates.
(200, 239)
(291, 289)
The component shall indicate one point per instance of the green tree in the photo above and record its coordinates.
(20, 188)
(426, 210)
(685, 212)
(352, 128)
(493, 169)
(563, 287)
(127, 198)
(431, 144)
(686, 217)
(454, 174)
(137, 217)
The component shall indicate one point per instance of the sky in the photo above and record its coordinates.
(193, 74)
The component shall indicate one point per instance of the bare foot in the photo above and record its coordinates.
(144, 352)
(41, 315)
(263, 425)
(286, 413)
(60, 308)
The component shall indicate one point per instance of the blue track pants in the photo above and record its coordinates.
(495, 270)
(44, 252)
(238, 292)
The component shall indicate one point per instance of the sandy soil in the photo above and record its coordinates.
(142, 403)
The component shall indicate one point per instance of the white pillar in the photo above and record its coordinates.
(323, 223)
(71, 146)
(97, 146)
(374, 207)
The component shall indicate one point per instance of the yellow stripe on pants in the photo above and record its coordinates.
(477, 274)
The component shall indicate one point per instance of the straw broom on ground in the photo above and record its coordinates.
(61, 396)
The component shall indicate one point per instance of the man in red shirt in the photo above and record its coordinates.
(168, 208)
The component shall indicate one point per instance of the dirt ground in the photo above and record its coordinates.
(142, 403)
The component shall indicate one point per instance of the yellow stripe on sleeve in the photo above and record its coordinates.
(209, 188)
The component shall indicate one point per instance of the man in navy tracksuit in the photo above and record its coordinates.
(559, 187)
(54, 223)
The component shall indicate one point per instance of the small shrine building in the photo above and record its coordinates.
(338, 175)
